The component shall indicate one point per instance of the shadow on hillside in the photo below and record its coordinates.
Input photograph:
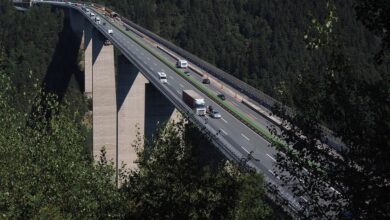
(64, 64)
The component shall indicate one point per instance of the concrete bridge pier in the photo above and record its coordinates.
(126, 107)
(104, 99)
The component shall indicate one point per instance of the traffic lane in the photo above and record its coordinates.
(240, 136)
(238, 147)
(260, 119)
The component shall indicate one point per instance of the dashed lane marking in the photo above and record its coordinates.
(245, 149)
(271, 157)
(245, 136)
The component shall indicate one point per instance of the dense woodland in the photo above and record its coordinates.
(329, 61)
(46, 171)
(260, 42)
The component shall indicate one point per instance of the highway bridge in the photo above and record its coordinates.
(133, 95)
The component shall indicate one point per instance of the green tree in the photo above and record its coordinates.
(354, 181)
(174, 183)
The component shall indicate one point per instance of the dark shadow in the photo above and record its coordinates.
(125, 78)
(64, 63)
(158, 110)
(97, 45)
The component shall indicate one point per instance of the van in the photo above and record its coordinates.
(182, 63)
(163, 77)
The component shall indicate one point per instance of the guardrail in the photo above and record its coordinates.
(232, 81)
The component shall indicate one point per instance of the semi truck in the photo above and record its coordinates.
(195, 101)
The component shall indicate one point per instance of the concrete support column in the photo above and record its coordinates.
(104, 100)
(88, 31)
(131, 86)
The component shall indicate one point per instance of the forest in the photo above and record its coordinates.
(47, 171)
(329, 60)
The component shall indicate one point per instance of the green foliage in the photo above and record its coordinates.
(260, 42)
(174, 183)
(44, 169)
(356, 108)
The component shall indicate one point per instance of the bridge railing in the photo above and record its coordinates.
(232, 81)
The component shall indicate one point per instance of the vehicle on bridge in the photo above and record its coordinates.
(182, 64)
(221, 96)
(206, 81)
(215, 114)
(110, 31)
(195, 101)
(163, 77)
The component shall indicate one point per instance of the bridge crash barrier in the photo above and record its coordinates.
(279, 144)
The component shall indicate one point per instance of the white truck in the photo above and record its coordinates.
(182, 63)
(110, 31)
(195, 101)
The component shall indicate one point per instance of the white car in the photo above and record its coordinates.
(110, 31)
(163, 77)
(215, 114)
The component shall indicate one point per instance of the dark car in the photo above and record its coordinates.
(187, 72)
(221, 96)
(206, 81)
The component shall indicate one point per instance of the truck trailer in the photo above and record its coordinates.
(195, 101)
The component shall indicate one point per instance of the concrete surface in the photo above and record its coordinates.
(104, 100)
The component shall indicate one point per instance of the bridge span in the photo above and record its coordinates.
(130, 93)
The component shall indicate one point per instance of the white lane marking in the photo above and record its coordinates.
(245, 136)
(148, 58)
(144, 62)
(155, 64)
(271, 157)
(178, 91)
(152, 68)
(181, 85)
(171, 77)
(223, 131)
(333, 189)
(224, 120)
(303, 198)
(272, 172)
(244, 149)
